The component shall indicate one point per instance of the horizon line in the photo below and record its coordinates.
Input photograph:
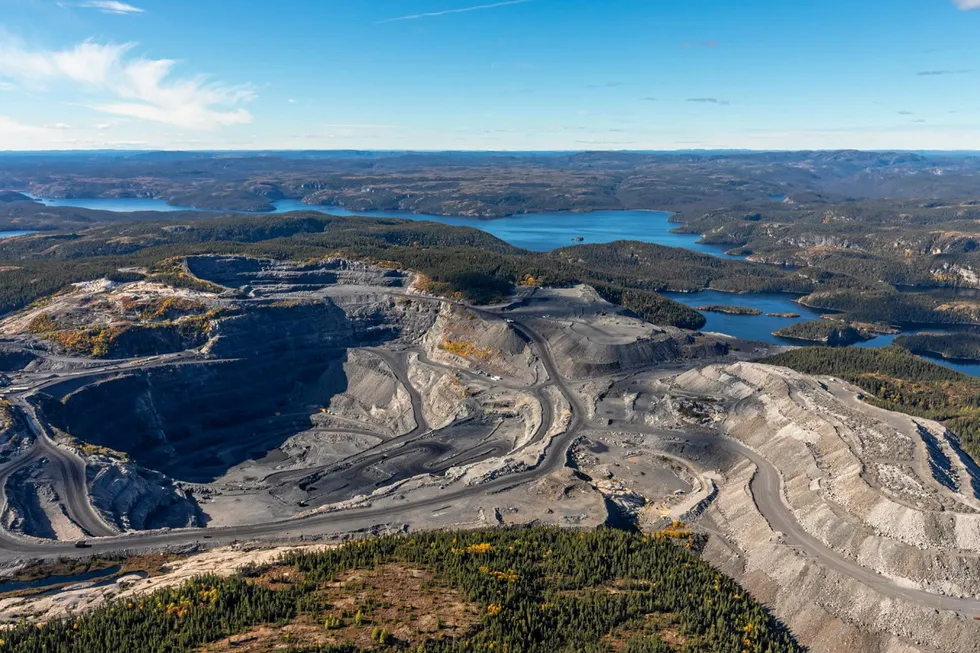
(483, 151)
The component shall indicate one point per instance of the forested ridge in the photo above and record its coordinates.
(458, 260)
(897, 380)
(540, 590)
(956, 346)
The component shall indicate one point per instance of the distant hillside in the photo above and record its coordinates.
(10, 196)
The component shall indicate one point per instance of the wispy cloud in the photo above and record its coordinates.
(446, 12)
(650, 98)
(707, 100)
(112, 7)
(108, 79)
(967, 4)
(905, 113)
(609, 85)
(936, 73)
(358, 126)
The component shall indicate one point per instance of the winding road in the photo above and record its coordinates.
(766, 488)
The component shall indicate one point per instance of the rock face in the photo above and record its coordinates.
(459, 339)
(131, 497)
(264, 276)
(194, 422)
(34, 505)
(374, 398)
(890, 493)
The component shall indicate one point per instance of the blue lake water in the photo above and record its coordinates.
(539, 232)
(123, 205)
(750, 327)
(761, 327)
(547, 231)
(11, 234)
(543, 232)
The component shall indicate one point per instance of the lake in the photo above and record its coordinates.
(547, 231)
(760, 327)
(543, 232)
(540, 232)
(11, 234)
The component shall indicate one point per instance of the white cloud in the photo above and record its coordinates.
(967, 4)
(433, 14)
(10, 127)
(113, 82)
(58, 125)
(112, 7)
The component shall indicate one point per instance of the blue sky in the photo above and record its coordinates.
(490, 74)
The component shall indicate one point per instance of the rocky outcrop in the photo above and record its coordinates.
(262, 276)
(131, 497)
(460, 338)
(861, 480)
(34, 505)
(374, 398)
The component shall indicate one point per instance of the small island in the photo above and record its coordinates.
(791, 316)
(825, 332)
(729, 310)
(950, 346)
(578, 239)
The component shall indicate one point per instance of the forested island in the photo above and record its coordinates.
(827, 332)
(729, 310)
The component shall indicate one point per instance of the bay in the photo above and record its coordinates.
(11, 234)
(544, 232)
(540, 232)
(761, 327)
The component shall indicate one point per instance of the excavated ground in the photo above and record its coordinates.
(887, 557)
(335, 385)
(320, 384)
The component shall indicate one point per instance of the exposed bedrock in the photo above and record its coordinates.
(861, 480)
(34, 504)
(131, 497)
(296, 328)
(583, 351)
(460, 339)
(374, 398)
(259, 275)
(282, 364)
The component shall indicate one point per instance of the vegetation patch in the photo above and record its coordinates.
(954, 346)
(456, 261)
(895, 307)
(394, 604)
(827, 332)
(730, 310)
(530, 590)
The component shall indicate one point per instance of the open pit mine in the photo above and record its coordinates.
(268, 402)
